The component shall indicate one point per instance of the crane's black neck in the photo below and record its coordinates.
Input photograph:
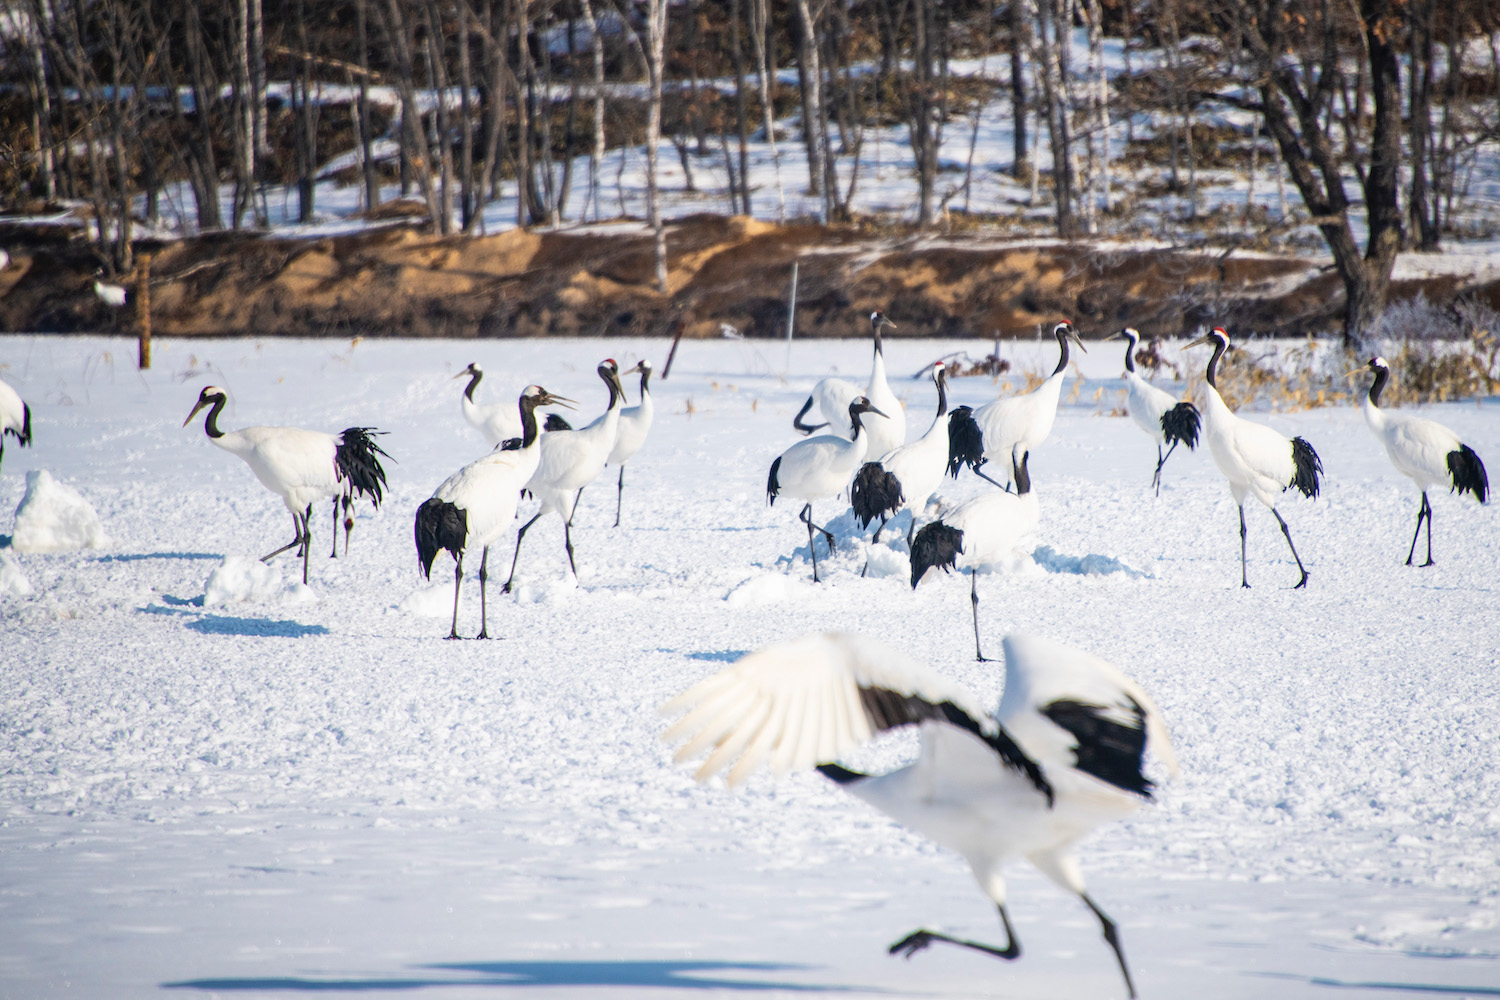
(473, 384)
(1062, 361)
(1130, 354)
(1382, 375)
(879, 347)
(858, 424)
(615, 392)
(528, 421)
(1021, 476)
(645, 379)
(942, 396)
(211, 422)
(1213, 362)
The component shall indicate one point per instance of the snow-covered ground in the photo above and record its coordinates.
(280, 791)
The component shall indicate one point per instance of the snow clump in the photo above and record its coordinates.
(13, 582)
(242, 579)
(54, 517)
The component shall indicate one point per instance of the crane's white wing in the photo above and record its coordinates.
(1071, 710)
(808, 701)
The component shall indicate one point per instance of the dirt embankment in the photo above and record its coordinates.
(734, 271)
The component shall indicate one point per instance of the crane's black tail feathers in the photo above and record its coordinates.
(555, 422)
(773, 488)
(1181, 423)
(797, 420)
(440, 526)
(935, 545)
(22, 436)
(1108, 749)
(1468, 473)
(356, 461)
(965, 441)
(875, 493)
(1309, 468)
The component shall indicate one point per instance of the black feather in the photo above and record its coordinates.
(510, 444)
(797, 420)
(886, 709)
(441, 526)
(555, 422)
(1468, 473)
(965, 441)
(356, 461)
(1110, 751)
(875, 493)
(935, 545)
(1309, 467)
(773, 488)
(1181, 423)
(841, 775)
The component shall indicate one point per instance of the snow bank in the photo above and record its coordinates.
(54, 517)
(12, 581)
(428, 602)
(242, 579)
(1090, 565)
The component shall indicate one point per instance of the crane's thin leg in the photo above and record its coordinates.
(1112, 935)
(296, 526)
(306, 541)
(1287, 532)
(1429, 531)
(568, 544)
(619, 495)
(1424, 511)
(1244, 581)
(917, 940)
(348, 521)
(812, 550)
(576, 497)
(519, 535)
(458, 579)
(484, 618)
(974, 600)
(335, 553)
(1156, 476)
(910, 528)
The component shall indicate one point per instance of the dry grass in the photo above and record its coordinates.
(1428, 373)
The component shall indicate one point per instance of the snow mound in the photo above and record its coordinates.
(762, 591)
(54, 517)
(428, 602)
(13, 582)
(1090, 565)
(885, 561)
(557, 592)
(242, 579)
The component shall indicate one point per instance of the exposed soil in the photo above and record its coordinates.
(400, 281)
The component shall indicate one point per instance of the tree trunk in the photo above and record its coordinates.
(656, 34)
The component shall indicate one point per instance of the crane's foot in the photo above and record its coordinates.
(1302, 582)
(1429, 562)
(912, 943)
(483, 634)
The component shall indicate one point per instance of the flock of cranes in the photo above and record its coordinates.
(1066, 749)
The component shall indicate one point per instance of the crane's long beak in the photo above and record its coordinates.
(877, 412)
(549, 399)
(1205, 339)
(1117, 335)
(201, 404)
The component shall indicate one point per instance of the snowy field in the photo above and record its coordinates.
(314, 793)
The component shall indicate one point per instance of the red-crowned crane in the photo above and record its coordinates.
(569, 461)
(976, 532)
(300, 466)
(1424, 451)
(1061, 756)
(833, 396)
(1256, 460)
(477, 504)
(15, 417)
(635, 424)
(819, 468)
(1011, 426)
(905, 477)
(1167, 420)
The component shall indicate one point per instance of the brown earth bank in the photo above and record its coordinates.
(400, 281)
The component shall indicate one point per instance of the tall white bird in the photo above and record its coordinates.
(819, 468)
(905, 477)
(300, 466)
(1062, 755)
(833, 396)
(477, 504)
(1160, 414)
(569, 461)
(1255, 459)
(111, 295)
(498, 422)
(635, 424)
(15, 417)
(977, 532)
(1007, 427)
(1424, 451)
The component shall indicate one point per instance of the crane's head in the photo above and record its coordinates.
(939, 372)
(534, 395)
(642, 367)
(1129, 333)
(470, 371)
(1064, 332)
(860, 405)
(878, 321)
(210, 395)
(1376, 365)
(1217, 335)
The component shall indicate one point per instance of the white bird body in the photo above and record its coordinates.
(111, 295)
(1165, 419)
(1016, 425)
(1062, 755)
(907, 476)
(300, 466)
(15, 417)
(477, 504)
(634, 426)
(1424, 451)
(886, 426)
(498, 422)
(1256, 460)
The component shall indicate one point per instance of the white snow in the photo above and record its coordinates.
(191, 801)
(243, 579)
(54, 517)
(13, 582)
